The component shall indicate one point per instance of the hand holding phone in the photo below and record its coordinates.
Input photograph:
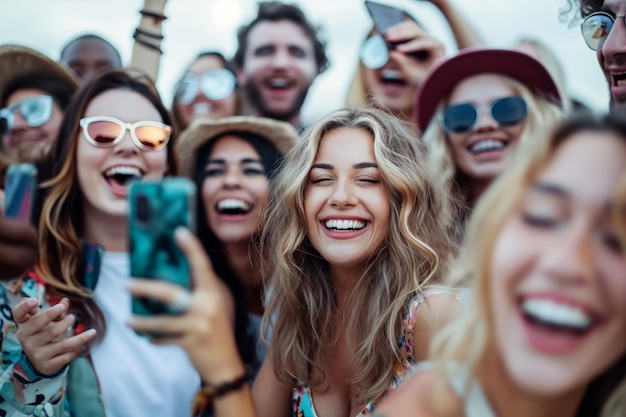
(156, 209)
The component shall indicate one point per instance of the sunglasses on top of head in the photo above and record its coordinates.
(596, 28)
(214, 84)
(36, 111)
(462, 117)
(104, 132)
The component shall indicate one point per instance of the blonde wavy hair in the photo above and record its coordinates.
(542, 116)
(61, 223)
(414, 255)
(467, 340)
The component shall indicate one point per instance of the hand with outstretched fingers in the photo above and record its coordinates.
(45, 335)
(204, 329)
(18, 247)
(410, 39)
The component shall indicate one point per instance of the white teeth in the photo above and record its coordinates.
(552, 312)
(391, 75)
(487, 145)
(201, 109)
(278, 83)
(123, 170)
(233, 204)
(345, 224)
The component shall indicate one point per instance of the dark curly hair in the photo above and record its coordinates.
(275, 11)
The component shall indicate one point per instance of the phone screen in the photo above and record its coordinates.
(156, 210)
(384, 16)
(19, 197)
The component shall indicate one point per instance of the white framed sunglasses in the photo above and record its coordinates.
(36, 111)
(104, 132)
(214, 84)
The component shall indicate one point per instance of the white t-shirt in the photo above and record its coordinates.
(136, 377)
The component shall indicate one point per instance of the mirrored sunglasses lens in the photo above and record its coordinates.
(187, 89)
(374, 52)
(36, 111)
(459, 118)
(153, 137)
(595, 29)
(509, 111)
(104, 132)
(218, 84)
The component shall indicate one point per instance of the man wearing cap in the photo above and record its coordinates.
(34, 92)
(604, 31)
(278, 57)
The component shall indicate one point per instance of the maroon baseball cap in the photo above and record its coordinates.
(442, 78)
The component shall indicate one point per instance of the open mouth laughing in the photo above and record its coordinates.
(121, 174)
(233, 207)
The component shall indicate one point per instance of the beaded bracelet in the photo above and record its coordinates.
(139, 33)
(208, 393)
(158, 17)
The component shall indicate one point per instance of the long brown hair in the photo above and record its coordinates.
(61, 221)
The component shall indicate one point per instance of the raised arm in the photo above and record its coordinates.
(148, 36)
(464, 34)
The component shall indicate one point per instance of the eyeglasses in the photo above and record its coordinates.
(506, 111)
(104, 132)
(215, 84)
(35, 110)
(374, 53)
(596, 27)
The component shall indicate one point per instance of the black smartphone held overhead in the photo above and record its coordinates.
(20, 191)
(156, 209)
(384, 16)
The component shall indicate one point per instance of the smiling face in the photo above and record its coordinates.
(279, 67)
(103, 172)
(394, 84)
(235, 190)
(346, 205)
(21, 133)
(481, 153)
(203, 107)
(558, 272)
(612, 55)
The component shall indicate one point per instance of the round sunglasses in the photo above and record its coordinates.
(36, 111)
(214, 84)
(104, 132)
(462, 117)
(596, 28)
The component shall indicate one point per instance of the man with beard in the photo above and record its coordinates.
(278, 57)
(604, 31)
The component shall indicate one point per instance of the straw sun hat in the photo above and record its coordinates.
(18, 60)
(282, 135)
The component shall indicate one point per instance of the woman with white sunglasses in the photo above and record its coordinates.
(475, 111)
(79, 355)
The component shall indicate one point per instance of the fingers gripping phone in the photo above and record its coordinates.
(20, 191)
(384, 16)
(156, 209)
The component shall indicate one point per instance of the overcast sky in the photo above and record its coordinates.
(196, 25)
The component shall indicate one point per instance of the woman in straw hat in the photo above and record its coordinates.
(231, 160)
(34, 92)
(546, 245)
(475, 111)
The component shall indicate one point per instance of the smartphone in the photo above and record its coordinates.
(156, 209)
(20, 190)
(384, 16)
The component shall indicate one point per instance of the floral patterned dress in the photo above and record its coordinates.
(302, 399)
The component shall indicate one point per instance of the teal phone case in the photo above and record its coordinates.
(156, 208)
